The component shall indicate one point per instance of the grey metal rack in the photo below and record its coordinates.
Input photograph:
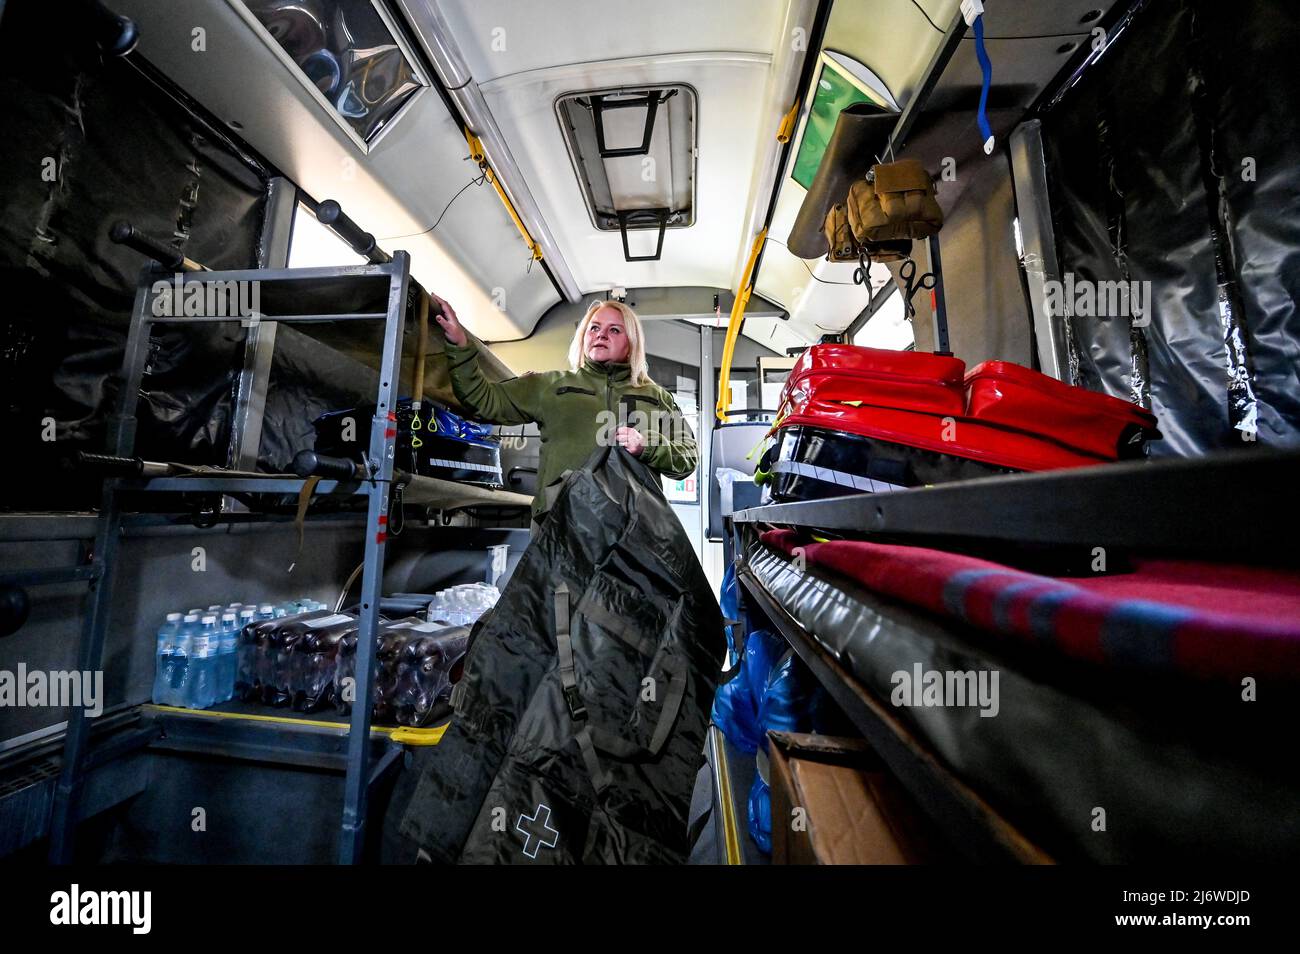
(362, 293)
(1207, 507)
(969, 823)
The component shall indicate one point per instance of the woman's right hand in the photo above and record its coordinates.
(450, 324)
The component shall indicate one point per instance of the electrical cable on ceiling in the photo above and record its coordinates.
(478, 180)
(926, 15)
(1033, 36)
(472, 182)
(810, 271)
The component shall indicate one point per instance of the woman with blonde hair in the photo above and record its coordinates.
(605, 398)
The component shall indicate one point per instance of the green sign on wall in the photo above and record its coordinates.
(835, 91)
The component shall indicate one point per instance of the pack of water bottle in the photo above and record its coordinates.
(279, 657)
(462, 605)
(302, 655)
(198, 653)
(415, 661)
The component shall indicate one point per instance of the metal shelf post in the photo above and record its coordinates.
(383, 439)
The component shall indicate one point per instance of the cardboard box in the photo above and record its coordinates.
(852, 810)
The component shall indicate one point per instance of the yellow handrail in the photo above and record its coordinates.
(733, 327)
(477, 154)
(407, 735)
(786, 130)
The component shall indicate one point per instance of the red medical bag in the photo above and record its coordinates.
(863, 419)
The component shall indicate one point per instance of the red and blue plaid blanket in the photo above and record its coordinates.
(1201, 619)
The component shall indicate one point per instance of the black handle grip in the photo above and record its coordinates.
(308, 463)
(330, 213)
(127, 466)
(15, 607)
(124, 233)
(115, 35)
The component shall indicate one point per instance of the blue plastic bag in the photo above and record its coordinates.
(792, 701)
(736, 703)
(729, 600)
(445, 423)
(760, 813)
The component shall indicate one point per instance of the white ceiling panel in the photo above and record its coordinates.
(730, 89)
(820, 295)
(397, 190)
(503, 37)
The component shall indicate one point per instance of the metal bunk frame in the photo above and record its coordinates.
(99, 573)
(970, 824)
(1140, 506)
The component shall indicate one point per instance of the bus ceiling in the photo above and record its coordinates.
(747, 96)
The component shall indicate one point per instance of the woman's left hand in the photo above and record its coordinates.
(630, 439)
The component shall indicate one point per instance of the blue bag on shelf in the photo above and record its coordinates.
(792, 701)
(431, 441)
(760, 809)
(735, 705)
(451, 425)
(729, 599)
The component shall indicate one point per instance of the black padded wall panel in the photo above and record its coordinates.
(1174, 160)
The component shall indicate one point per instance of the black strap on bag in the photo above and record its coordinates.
(569, 685)
(564, 654)
(674, 666)
(622, 748)
(616, 627)
(592, 739)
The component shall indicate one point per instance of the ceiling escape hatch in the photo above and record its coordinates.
(633, 152)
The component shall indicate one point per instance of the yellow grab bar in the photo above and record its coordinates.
(733, 327)
(786, 129)
(477, 155)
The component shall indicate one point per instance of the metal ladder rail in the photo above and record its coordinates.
(383, 443)
(94, 628)
(96, 622)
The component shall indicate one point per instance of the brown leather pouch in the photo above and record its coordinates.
(896, 202)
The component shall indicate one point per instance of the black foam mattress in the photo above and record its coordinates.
(1175, 772)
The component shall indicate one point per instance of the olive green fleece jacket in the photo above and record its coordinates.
(577, 411)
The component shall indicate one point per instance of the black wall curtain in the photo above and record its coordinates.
(1176, 160)
(87, 141)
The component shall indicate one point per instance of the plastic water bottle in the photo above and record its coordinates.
(262, 662)
(437, 609)
(226, 659)
(178, 677)
(203, 664)
(246, 654)
(166, 645)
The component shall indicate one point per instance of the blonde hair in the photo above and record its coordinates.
(636, 340)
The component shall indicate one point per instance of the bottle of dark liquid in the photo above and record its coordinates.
(424, 672)
(283, 660)
(316, 665)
